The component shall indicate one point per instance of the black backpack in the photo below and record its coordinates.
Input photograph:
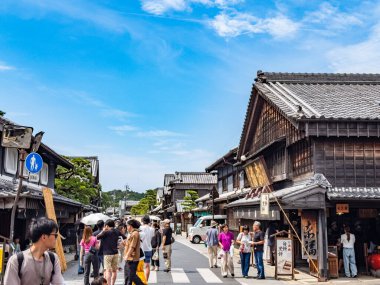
(20, 260)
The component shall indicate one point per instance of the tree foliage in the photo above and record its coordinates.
(189, 200)
(77, 183)
(112, 198)
(2, 113)
(146, 204)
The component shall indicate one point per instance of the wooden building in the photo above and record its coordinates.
(319, 136)
(31, 203)
(175, 189)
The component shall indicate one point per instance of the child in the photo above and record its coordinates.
(99, 281)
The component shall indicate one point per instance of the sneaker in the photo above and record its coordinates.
(157, 269)
(233, 275)
(224, 276)
(355, 276)
(167, 270)
(215, 266)
(245, 277)
(261, 277)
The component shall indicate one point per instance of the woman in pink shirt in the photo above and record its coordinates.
(88, 254)
(226, 240)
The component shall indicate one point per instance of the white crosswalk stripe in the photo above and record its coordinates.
(179, 275)
(153, 277)
(209, 276)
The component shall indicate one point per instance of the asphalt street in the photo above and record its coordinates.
(188, 267)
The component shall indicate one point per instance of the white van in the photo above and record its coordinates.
(197, 233)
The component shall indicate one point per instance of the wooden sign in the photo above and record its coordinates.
(50, 212)
(367, 213)
(284, 257)
(309, 234)
(342, 208)
(257, 173)
(264, 204)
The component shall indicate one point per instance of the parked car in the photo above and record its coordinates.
(197, 233)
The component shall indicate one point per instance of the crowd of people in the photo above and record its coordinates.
(223, 239)
(107, 247)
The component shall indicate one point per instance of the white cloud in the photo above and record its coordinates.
(233, 25)
(159, 7)
(360, 57)
(159, 134)
(121, 130)
(6, 67)
(332, 18)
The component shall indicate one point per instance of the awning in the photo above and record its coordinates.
(200, 209)
(170, 209)
(158, 208)
(353, 193)
(233, 194)
(203, 198)
(307, 194)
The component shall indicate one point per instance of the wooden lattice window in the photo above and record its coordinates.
(302, 158)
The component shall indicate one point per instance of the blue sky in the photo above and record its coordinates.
(157, 86)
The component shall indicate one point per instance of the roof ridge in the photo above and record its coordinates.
(264, 77)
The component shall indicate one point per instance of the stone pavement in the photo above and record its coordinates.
(300, 277)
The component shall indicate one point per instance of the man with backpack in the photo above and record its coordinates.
(36, 265)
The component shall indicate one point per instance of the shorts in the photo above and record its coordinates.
(147, 256)
(111, 262)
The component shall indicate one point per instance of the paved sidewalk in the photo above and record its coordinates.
(300, 277)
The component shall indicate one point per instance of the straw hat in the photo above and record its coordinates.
(214, 224)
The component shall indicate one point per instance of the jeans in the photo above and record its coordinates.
(89, 259)
(101, 261)
(245, 257)
(80, 268)
(349, 262)
(130, 275)
(259, 264)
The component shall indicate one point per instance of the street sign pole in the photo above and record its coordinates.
(22, 154)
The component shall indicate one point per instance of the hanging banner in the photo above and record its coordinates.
(264, 204)
(284, 257)
(309, 234)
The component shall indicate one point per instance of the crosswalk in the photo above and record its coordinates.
(175, 276)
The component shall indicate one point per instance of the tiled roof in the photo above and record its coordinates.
(167, 179)
(320, 96)
(195, 178)
(228, 156)
(357, 193)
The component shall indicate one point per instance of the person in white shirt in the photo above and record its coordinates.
(348, 240)
(146, 234)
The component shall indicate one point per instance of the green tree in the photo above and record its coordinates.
(146, 204)
(112, 198)
(2, 113)
(77, 183)
(189, 200)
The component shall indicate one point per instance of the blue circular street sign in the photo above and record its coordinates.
(34, 162)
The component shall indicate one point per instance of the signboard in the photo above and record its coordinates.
(367, 213)
(16, 136)
(257, 173)
(284, 257)
(34, 162)
(264, 204)
(309, 234)
(342, 208)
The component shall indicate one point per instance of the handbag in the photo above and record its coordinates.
(93, 250)
(172, 240)
(155, 255)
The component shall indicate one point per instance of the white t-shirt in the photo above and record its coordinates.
(345, 242)
(146, 234)
(245, 242)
